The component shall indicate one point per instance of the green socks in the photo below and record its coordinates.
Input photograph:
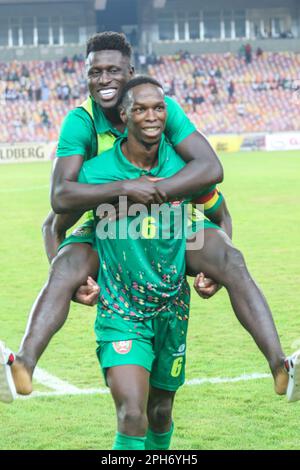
(153, 441)
(124, 442)
(156, 441)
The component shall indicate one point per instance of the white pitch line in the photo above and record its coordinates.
(86, 391)
(53, 382)
(71, 390)
(219, 380)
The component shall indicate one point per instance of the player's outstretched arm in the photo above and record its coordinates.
(203, 168)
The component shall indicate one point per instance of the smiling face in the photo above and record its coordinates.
(144, 113)
(107, 73)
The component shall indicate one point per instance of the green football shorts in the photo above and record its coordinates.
(85, 233)
(160, 347)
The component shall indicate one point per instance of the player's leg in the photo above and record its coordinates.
(168, 369)
(69, 270)
(221, 261)
(126, 365)
(159, 411)
(129, 386)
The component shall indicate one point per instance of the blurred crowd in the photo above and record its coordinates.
(252, 91)
(35, 96)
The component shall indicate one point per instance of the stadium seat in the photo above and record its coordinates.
(38, 94)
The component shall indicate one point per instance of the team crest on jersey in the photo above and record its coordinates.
(122, 347)
(82, 232)
(176, 203)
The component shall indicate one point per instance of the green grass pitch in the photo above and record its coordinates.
(263, 193)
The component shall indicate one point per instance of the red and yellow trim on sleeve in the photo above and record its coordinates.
(211, 201)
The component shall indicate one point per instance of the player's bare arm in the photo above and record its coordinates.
(68, 196)
(202, 170)
(205, 286)
(54, 230)
(221, 216)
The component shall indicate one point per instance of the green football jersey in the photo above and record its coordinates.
(139, 275)
(86, 131)
(80, 129)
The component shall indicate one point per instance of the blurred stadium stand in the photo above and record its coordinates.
(38, 94)
(228, 67)
(263, 95)
(37, 29)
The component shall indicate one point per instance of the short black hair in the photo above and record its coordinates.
(109, 40)
(136, 81)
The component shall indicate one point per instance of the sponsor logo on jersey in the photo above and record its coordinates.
(180, 351)
(122, 347)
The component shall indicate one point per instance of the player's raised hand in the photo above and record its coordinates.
(88, 293)
(205, 287)
(144, 191)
